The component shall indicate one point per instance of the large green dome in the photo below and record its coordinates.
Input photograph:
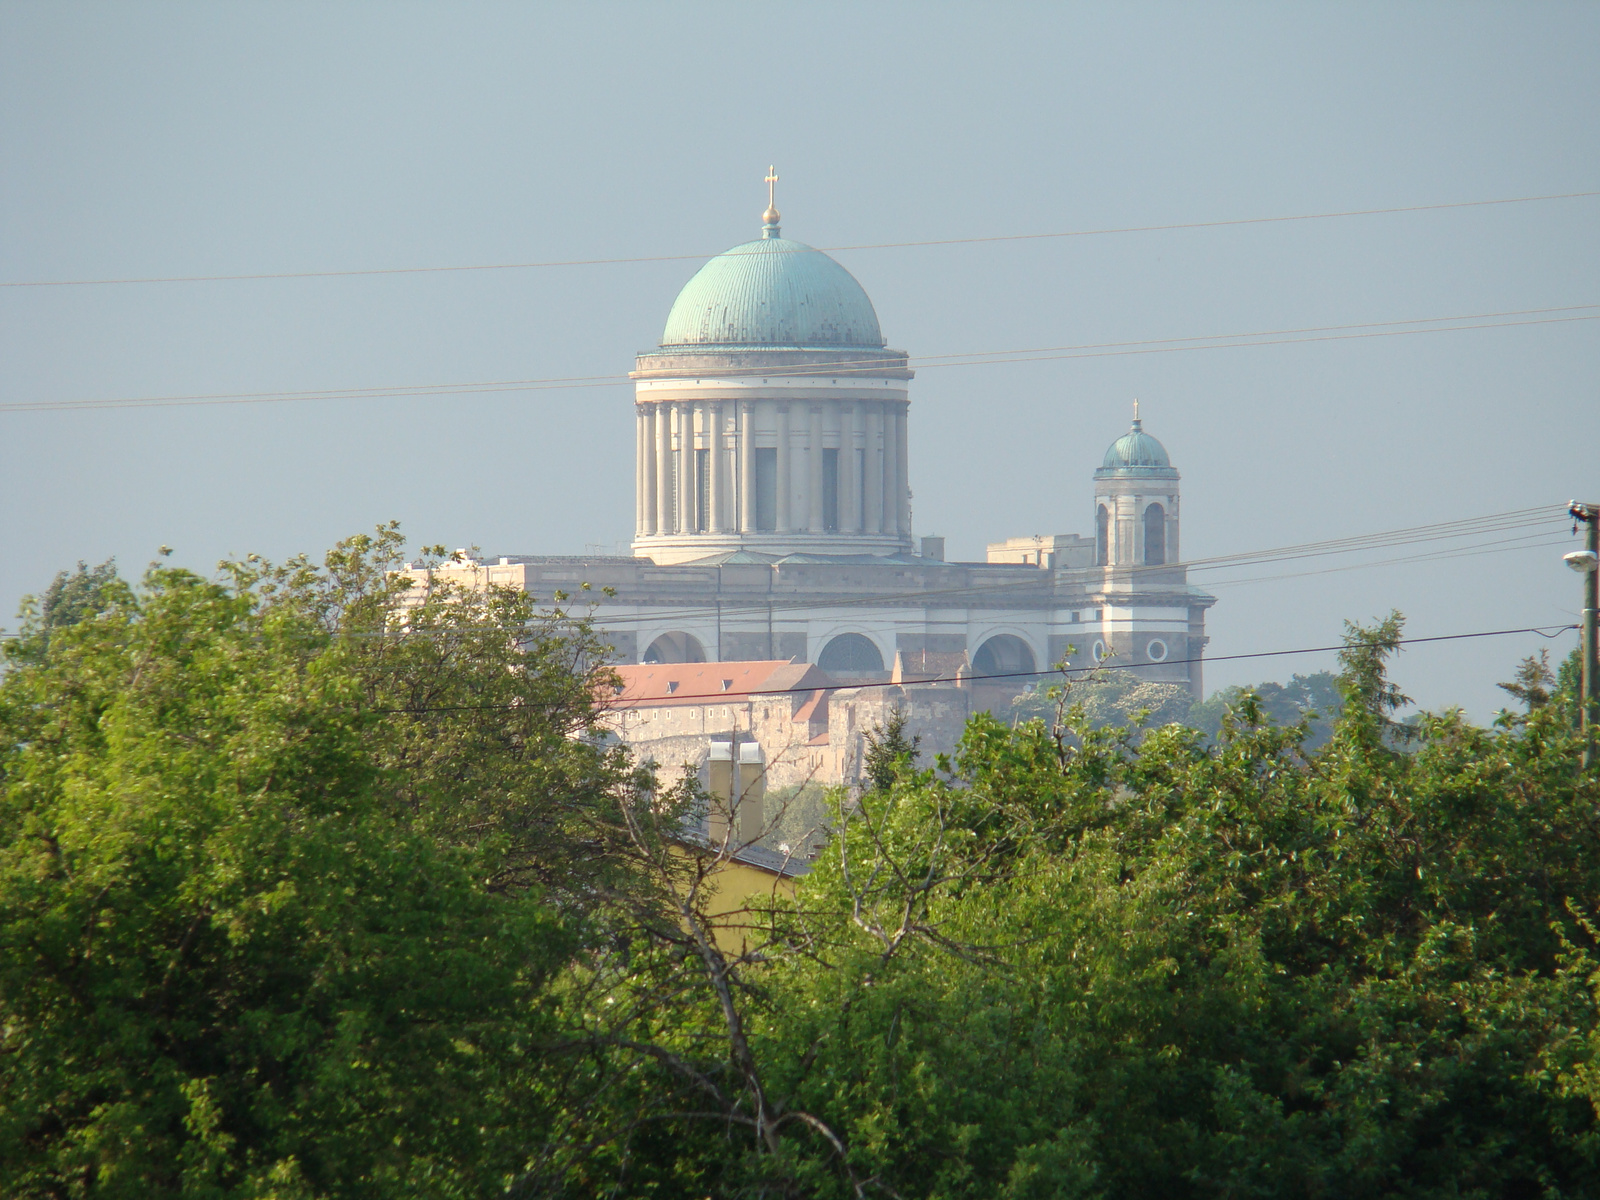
(772, 292)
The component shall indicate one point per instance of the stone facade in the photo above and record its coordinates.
(773, 523)
(787, 724)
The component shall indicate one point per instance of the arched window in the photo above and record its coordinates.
(1003, 654)
(1155, 536)
(1102, 536)
(850, 654)
(675, 648)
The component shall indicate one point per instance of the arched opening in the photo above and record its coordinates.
(675, 648)
(1102, 536)
(1003, 654)
(850, 654)
(1155, 536)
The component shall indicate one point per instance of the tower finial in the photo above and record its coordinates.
(770, 217)
(1136, 424)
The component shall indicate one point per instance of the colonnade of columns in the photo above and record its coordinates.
(696, 466)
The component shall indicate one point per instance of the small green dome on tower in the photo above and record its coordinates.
(1136, 453)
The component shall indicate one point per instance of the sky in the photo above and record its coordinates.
(152, 140)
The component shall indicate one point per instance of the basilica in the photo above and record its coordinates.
(774, 519)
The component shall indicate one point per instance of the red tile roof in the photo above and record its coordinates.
(651, 685)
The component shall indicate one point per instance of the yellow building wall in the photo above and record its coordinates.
(731, 891)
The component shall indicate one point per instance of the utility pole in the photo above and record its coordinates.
(1587, 561)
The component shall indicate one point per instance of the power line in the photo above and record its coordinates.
(1545, 631)
(653, 258)
(1542, 515)
(978, 593)
(1221, 341)
(1530, 518)
(1522, 543)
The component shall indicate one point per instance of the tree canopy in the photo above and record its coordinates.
(314, 883)
(289, 860)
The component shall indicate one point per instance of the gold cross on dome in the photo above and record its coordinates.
(772, 178)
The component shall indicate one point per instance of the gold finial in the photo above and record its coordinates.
(1135, 410)
(771, 215)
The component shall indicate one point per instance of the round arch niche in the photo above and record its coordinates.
(851, 654)
(675, 648)
(1003, 654)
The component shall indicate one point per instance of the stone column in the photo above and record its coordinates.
(814, 469)
(747, 466)
(638, 468)
(785, 471)
(874, 482)
(647, 468)
(714, 455)
(902, 470)
(685, 471)
(849, 483)
(663, 473)
(694, 417)
(891, 468)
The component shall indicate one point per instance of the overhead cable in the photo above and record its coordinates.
(1223, 341)
(1075, 674)
(654, 258)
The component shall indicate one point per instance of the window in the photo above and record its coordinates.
(1157, 650)
(675, 648)
(766, 485)
(850, 653)
(702, 491)
(860, 483)
(830, 490)
(1003, 654)
(1155, 536)
(1099, 652)
(1102, 536)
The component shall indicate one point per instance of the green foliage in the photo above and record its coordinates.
(1121, 965)
(316, 885)
(1533, 682)
(1104, 697)
(1315, 699)
(889, 752)
(798, 817)
(289, 860)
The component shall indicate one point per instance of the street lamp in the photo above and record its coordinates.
(1586, 562)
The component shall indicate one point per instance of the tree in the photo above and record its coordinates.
(289, 862)
(69, 599)
(889, 752)
(1533, 681)
(1313, 698)
(1117, 964)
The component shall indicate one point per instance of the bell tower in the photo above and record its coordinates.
(1136, 502)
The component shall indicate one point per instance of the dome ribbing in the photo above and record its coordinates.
(1135, 453)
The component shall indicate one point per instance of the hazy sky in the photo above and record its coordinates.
(205, 139)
